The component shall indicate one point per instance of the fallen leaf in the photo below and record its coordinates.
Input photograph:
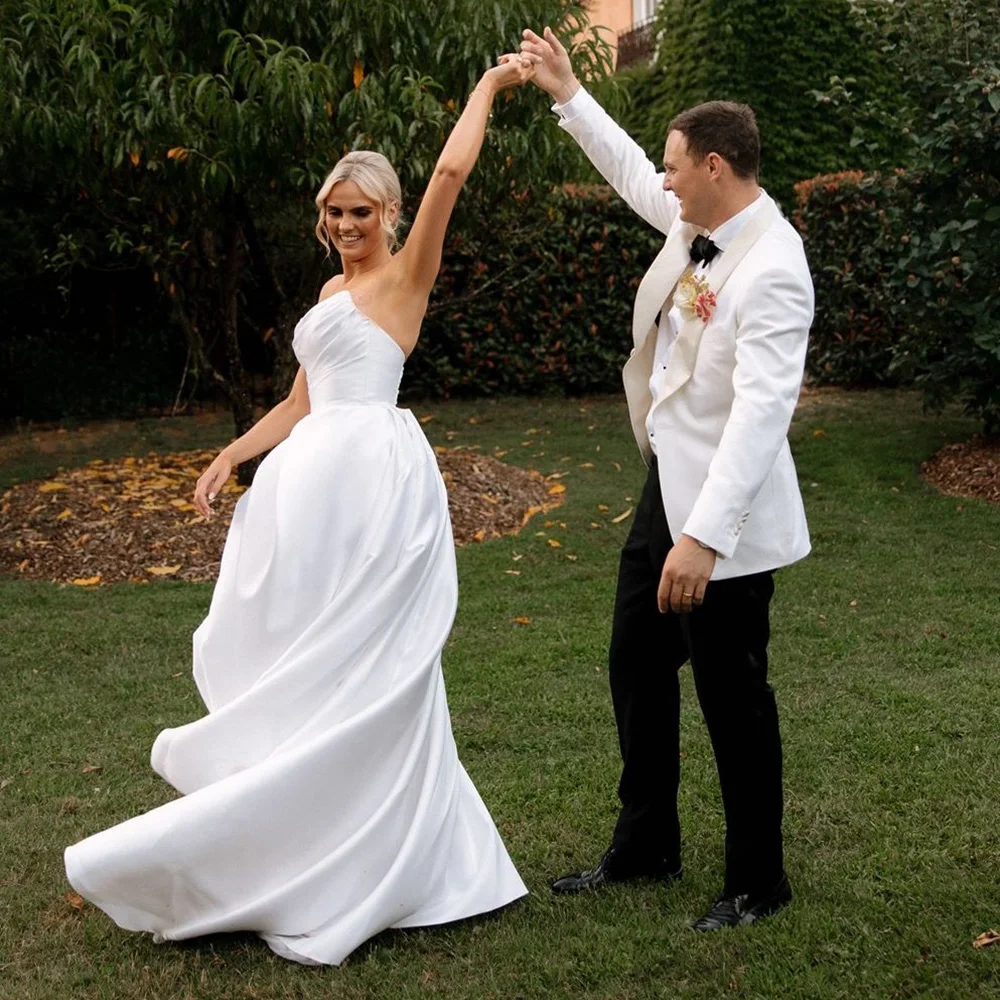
(571, 558)
(621, 517)
(819, 432)
(89, 581)
(986, 939)
(617, 465)
(521, 621)
(75, 900)
(555, 543)
(854, 604)
(63, 514)
(594, 524)
(512, 572)
(480, 535)
(163, 570)
(603, 508)
(517, 556)
(530, 431)
(557, 489)
(93, 769)
(427, 418)
(51, 487)
(586, 465)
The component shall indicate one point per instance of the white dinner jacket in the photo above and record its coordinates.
(731, 385)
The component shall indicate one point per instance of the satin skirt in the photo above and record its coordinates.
(323, 798)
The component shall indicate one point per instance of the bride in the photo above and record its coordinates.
(322, 796)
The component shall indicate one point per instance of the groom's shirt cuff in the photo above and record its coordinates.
(580, 102)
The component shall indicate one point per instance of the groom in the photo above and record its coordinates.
(720, 325)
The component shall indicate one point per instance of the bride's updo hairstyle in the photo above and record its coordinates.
(374, 174)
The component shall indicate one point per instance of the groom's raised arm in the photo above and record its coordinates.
(619, 158)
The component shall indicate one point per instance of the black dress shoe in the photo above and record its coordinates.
(746, 908)
(614, 868)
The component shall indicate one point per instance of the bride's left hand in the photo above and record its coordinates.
(512, 70)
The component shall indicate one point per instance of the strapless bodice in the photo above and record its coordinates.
(347, 357)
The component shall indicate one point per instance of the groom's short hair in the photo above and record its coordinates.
(722, 127)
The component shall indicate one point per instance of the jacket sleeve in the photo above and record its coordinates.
(619, 158)
(771, 336)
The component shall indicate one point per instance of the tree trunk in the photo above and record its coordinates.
(240, 396)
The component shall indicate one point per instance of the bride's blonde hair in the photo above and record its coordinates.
(374, 174)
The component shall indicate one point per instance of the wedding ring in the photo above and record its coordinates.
(688, 595)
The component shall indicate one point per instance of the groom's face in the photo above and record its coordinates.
(690, 181)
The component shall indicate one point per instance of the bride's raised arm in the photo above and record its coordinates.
(420, 258)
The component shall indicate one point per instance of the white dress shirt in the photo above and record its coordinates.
(670, 323)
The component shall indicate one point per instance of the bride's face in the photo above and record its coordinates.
(353, 221)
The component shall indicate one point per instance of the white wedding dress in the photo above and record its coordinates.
(323, 799)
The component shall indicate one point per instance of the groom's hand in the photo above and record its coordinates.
(685, 576)
(553, 72)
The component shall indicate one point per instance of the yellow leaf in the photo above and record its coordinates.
(570, 557)
(521, 621)
(480, 535)
(621, 517)
(586, 465)
(986, 939)
(63, 514)
(178, 153)
(51, 487)
(359, 74)
(134, 157)
(555, 543)
(89, 581)
(603, 508)
(162, 570)
(557, 489)
(530, 431)
(427, 418)
(819, 432)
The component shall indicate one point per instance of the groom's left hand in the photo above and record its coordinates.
(685, 576)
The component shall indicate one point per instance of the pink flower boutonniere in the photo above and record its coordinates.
(694, 298)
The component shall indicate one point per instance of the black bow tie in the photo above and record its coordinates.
(703, 249)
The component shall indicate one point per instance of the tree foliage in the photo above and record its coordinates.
(942, 270)
(190, 139)
(770, 56)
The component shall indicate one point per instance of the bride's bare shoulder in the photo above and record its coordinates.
(331, 287)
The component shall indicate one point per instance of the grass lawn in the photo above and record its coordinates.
(885, 659)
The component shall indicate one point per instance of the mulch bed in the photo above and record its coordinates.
(967, 469)
(132, 519)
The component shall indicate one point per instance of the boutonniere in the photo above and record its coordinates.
(694, 298)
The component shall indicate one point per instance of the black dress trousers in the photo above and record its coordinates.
(726, 641)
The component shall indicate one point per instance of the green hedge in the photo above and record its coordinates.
(541, 304)
(772, 56)
(849, 225)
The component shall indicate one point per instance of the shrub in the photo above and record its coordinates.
(849, 224)
(770, 56)
(541, 304)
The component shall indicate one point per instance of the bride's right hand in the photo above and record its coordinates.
(210, 482)
(511, 70)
